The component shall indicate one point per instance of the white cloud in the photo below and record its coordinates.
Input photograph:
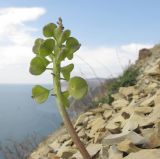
(16, 41)
(107, 61)
(13, 29)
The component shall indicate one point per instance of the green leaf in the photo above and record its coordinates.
(38, 41)
(72, 46)
(47, 47)
(64, 36)
(66, 71)
(40, 94)
(46, 61)
(77, 87)
(48, 30)
(37, 66)
(37, 44)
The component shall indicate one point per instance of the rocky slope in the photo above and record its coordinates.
(127, 129)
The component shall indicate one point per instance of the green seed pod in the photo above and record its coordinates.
(40, 94)
(37, 66)
(77, 87)
(48, 30)
(46, 47)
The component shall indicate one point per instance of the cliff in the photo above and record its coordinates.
(129, 128)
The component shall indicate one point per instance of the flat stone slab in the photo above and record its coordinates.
(130, 135)
(92, 149)
(145, 154)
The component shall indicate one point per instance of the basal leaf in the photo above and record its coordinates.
(66, 71)
(48, 30)
(47, 47)
(40, 94)
(77, 87)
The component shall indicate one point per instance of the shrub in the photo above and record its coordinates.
(128, 78)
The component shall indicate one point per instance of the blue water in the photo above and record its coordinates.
(20, 116)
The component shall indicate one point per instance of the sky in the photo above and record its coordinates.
(111, 33)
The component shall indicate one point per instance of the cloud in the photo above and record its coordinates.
(13, 29)
(107, 61)
(16, 39)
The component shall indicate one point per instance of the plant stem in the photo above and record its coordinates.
(64, 114)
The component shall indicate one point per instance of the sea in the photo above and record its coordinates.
(20, 116)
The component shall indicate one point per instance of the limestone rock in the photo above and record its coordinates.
(157, 98)
(118, 104)
(79, 128)
(147, 133)
(55, 145)
(114, 153)
(80, 120)
(131, 124)
(100, 135)
(143, 110)
(130, 135)
(64, 138)
(118, 120)
(153, 71)
(148, 101)
(96, 125)
(145, 154)
(106, 106)
(98, 110)
(155, 114)
(103, 154)
(52, 156)
(92, 149)
(113, 127)
(68, 143)
(41, 152)
(154, 139)
(127, 91)
(66, 152)
(144, 53)
(107, 114)
(140, 119)
(81, 133)
(151, 86)
(117, 96)
(116, 124)
(127, 146)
